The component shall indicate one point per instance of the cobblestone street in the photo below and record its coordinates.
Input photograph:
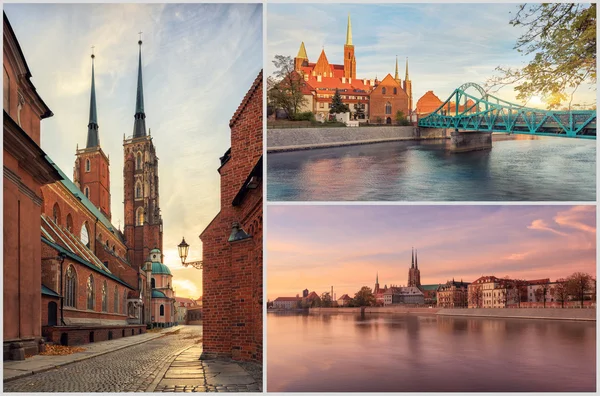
(167, 363)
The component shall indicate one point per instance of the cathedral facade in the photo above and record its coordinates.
(82, 279)
(372, 100)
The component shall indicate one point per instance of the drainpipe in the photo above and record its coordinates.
(61, 257)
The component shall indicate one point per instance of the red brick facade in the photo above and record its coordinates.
(428, 103)
(232, 273)
(386, 100)
(92, 175)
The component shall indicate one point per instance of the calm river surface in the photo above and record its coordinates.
(544, 169)
(378, 353)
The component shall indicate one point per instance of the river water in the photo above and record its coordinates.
(542, 169)
(388, 353)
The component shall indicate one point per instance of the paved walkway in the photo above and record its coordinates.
(188, 374)
(38, 364)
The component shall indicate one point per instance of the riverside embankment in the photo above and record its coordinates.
(577, 314)
(290, 139)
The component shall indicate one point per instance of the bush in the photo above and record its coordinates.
(305, 116)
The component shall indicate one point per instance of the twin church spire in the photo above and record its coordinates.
(139, 126)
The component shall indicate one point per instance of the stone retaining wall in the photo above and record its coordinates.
(529, 313)
(307, 138)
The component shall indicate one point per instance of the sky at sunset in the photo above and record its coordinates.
(316, 247)
(447, 45)
(199, 60)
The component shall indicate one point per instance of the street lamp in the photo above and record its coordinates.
(183, 249)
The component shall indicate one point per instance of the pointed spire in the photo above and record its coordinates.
(412, 265)
(406, 77)
(92, 137)
(396, 75)
(349, 32)
(139, 126)
(377, 278)
(416, 258)
(302, 52)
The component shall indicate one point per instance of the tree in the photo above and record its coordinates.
(578, 284)
(562, 39)
(285, 91)
(364, 297)
(326, 300)
(401, 119)
(520, 287)
(475, 296)
(560, 291)
(541, 292)
(336, 104)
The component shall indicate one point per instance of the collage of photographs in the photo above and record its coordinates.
(454, 138)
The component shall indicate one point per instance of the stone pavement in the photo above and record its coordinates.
(189, 374)
(37, 364)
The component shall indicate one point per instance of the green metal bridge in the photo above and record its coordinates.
(487, 113)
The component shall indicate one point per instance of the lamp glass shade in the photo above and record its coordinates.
(183, 248)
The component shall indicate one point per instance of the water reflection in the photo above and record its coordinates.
(521, 170)
(409, 353)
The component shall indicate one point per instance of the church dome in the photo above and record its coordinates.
(159, 268)
(158, 294)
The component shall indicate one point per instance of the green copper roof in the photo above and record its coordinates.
(49, 292)
(155, 250)
(84, 200)
(158, 268)
(429, 287)
(92, 137)
(158, 294)
(139, 126)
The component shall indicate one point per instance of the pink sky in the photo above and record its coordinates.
(316, 247)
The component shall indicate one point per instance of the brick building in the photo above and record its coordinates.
(71, 275)
(368, 99)
(232, 242)
(427, 104)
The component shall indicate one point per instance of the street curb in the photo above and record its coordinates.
(41, 370)
(161, 374)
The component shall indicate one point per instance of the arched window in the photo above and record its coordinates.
(84, 236)
(116, 298)
(70, 287)
(138, 162)
(104, 297)
(153, 283)
(107, 244)
(138, 190)
(383, 90)
(388, 108)
(86, 191)
(87, 165)
(162, 310)
(69, 222)
(139, 216)
(395, 90)
(90, 293)
(56, 214)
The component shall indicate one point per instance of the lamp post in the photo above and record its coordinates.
(183, 249)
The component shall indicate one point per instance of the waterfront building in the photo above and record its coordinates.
(453, 294)
(287, 302)
(344, 301)
(403, 295)
(72, 276)
(368, 99)
(232, 272)
(491, 292)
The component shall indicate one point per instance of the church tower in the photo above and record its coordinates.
(302, 58)
(349, 59)
(408, 89)
(396, 76)
(143, 220)
(414, 275)
(376, 290)
(91, 171)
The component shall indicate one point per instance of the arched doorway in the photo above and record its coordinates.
(388, 120)
(52, 313)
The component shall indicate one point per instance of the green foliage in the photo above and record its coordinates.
(304, 116)
(326, 301)
(364, 297)
(379, 120)
(336, 104)
(561, 37)
(401, 119)
(285, 90)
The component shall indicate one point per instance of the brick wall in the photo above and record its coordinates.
(232, 274)
(82, 335)
(377, 101)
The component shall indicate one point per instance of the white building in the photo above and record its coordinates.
(403, 295)
(286, 302)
